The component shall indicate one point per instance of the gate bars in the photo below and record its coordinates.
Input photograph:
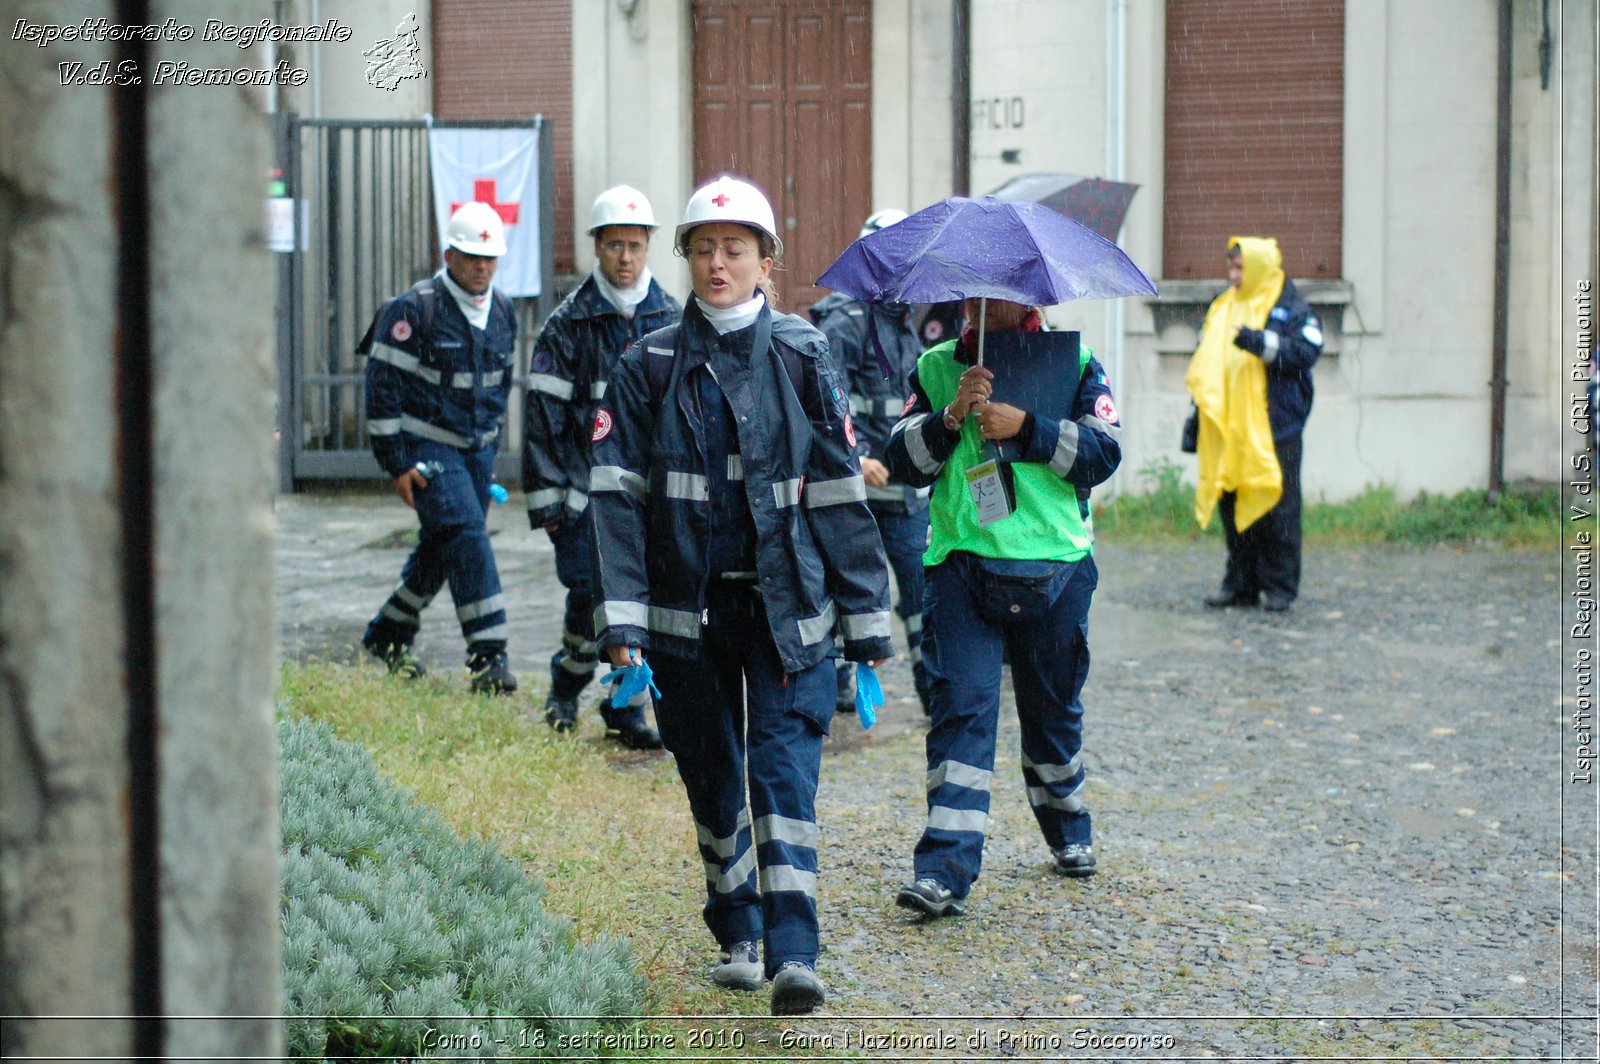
(364, 231)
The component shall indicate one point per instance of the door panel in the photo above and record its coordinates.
(783, 96)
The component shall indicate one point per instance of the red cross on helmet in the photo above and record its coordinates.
(476, 229)
(622, 205)
(728, 199)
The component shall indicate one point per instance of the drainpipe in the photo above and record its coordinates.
(1116, 167)
(1502, 259)
(961, 99)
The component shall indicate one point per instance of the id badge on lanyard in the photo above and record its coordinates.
(989, 492)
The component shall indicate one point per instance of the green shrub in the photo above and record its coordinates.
(394, 926)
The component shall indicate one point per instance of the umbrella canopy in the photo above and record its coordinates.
(985, 248)
(1099, 204)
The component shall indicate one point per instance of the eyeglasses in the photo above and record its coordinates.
(617, 247)
(731, 247)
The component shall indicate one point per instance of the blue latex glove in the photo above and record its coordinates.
(630, 681)
(869, 694)
(498, 494)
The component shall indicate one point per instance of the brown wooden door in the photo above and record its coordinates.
(783, 96)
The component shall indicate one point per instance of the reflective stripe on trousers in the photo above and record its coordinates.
(731, 714)
(963, 645)
(452, 547)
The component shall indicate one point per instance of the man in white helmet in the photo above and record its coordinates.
(615, 305)
(439, 363)
(876, 403)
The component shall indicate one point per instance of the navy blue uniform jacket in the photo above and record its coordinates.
(430, 374)
(572, 357)
(819, 561)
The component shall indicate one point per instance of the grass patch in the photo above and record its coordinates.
(606, 831)
(1521, 517)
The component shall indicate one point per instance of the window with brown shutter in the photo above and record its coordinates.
(511, 59)
(1254, 132)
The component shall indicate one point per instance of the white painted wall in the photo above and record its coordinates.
(1404, 401)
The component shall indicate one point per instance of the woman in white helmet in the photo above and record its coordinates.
(731, 539)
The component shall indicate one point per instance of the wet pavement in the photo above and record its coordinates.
(1347, 831)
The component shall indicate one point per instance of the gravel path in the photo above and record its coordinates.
(1336, 833)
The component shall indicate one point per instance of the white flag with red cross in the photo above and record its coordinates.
(499, 167)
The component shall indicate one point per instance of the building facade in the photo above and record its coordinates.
(1365, 134)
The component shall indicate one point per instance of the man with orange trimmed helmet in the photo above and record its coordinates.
(615, 305)
(439, 364)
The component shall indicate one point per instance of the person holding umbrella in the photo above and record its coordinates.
(731, 538)
(1010, 559)
(1020, 584)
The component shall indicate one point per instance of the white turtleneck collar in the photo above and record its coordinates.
(731, 319)
(626, 300)
(476, 308)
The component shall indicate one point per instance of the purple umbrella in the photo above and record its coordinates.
(985, 249)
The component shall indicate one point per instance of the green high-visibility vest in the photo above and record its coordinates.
(1046, 525)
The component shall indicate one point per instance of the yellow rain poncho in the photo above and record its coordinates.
(1229, 386)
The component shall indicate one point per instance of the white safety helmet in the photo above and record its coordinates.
(727, 199)
(882, 220)
(622, 205)
(476, 229)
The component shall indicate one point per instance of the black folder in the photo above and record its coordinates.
(1035, 371)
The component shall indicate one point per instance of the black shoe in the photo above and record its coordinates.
(492, 676)
(561, 713)
(929, 897)
(1224, 599)
(1276, 603)
(1075, 860)
(635, 735)
(796, 990)
(399, 660)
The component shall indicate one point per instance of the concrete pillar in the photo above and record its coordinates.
(97, 591)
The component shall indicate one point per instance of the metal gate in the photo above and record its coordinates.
(364, 232)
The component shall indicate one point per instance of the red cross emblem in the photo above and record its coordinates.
(633, 206)
(720, 199)
(483, 192)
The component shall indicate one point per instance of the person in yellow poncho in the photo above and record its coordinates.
(1250, 379)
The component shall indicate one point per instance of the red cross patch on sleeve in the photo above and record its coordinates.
(849, 431)
(401, 331)
(602, 425)
(1105, 409)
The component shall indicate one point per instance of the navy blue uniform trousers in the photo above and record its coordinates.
(979, 611)
(452, 547)
(573, 665)
(1266, 556)
(733, 719)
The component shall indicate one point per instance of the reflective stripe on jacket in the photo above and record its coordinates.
(1061, 461)
(431, 375)
(576, 348)
(876, 401)
(819, 562)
